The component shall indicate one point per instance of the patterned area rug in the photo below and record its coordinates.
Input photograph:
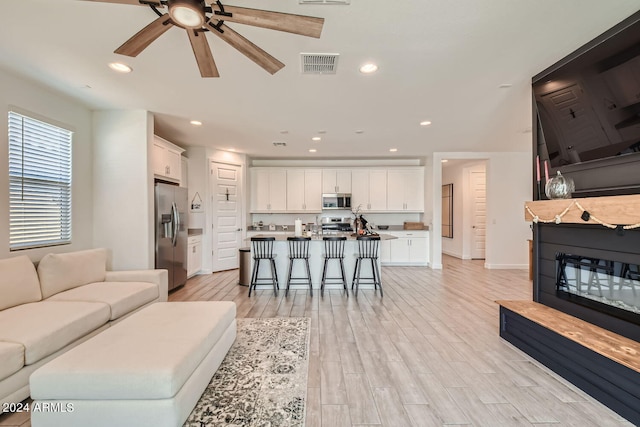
(263, 379)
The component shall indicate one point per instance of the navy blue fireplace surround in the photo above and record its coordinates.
(595, 251)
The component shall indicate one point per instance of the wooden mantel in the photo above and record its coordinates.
(617, 210)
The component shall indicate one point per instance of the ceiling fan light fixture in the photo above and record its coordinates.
(187, 13)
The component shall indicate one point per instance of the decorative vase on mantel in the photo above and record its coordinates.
(559, 187)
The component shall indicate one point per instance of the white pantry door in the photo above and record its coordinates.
(226, 202)
(479, 213)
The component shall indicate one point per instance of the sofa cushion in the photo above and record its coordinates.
(18, 282)
(149, 355)
(59, 272)
(45, 327)
(122, 297)
(11, 358)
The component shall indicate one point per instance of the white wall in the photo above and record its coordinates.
(508, 187)
(123, 187)
(44, 102)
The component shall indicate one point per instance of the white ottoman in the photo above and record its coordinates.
(148, 370)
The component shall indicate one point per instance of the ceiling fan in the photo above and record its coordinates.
(197, 17)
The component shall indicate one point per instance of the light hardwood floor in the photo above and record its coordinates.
(426, 354)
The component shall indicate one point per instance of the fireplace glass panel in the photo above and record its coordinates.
(612, 283)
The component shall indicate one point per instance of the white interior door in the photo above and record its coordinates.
(576, 120)
(226, 201)
(478, 184)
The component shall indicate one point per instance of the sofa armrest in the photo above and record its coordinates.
(159, 277)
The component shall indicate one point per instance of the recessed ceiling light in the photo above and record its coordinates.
(322, 132)
(284, 132)
(232, 150)
(444, 160)
(368, 68)
(393, 150)
(425, 123)
(316, 138)
(359, 131)
(196, 122)
(505, 85)
(313, 150)
(120, 67)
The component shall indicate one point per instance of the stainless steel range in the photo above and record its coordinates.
(334, 224)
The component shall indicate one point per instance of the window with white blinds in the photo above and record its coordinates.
(39, 183)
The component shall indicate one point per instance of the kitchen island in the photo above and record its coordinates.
(316, 262)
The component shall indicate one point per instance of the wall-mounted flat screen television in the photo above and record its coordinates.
(588, 110)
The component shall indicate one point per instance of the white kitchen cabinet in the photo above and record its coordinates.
(268, 190)
(194, 255)
(385, 252)
(410, 248)
(304, 190)
(167, 160)
(336, 181)
(369, 190)
(405, 190)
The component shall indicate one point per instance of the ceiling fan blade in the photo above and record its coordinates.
(155, 3)
(203, 54)
(297, 24)
(145, 37)
(244, 46)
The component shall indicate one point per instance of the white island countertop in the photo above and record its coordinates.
(282, 236)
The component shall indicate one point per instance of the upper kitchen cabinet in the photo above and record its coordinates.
(304, 190)
(369, 190)
(336, 181)
(268, 190)
(405, 190)
(167, 160)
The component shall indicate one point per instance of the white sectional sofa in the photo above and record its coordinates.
(69, 298)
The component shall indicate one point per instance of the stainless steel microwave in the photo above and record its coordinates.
(336, 201)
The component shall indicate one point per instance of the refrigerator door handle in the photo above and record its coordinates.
(176, 223)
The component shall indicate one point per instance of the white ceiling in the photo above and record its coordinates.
(440, 60)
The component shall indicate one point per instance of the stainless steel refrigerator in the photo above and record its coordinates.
(171, 232)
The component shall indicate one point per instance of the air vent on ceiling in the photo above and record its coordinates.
(279, 144)
(319, 63)
(325, 1)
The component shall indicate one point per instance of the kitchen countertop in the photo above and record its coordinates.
(194, 232)
(279, 229)
(401, 228)
(283, 236)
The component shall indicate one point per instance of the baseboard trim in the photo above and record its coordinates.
(454, 254)
(506, 266)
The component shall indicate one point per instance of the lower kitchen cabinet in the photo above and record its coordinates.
(410, 248)
(194, 255)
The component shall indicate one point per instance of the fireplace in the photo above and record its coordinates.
(591, 272)
(610, 286)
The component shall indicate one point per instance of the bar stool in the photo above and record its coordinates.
(262, 248)
(367, 249)
(299, 250)
(334, 249)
